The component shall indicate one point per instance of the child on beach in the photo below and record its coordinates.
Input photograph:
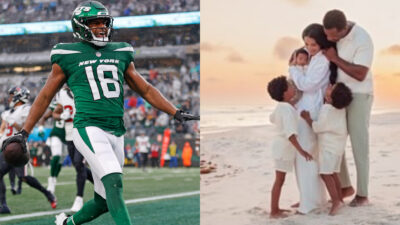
(301, 59)
(285, 144)
(331, 129)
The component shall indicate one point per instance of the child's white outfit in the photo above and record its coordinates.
(331, 129)
(302, 68)
(285, 119)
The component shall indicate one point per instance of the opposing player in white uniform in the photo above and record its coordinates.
(143, 144)
(11, 174)
(15, 119)
(65, 111)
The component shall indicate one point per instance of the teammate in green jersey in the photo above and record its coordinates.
(95, 70)
(55, 141)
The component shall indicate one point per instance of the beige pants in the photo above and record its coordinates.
(358, 115)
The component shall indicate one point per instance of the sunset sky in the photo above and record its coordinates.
(246, 43)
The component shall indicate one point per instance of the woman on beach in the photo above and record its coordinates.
(313, 83)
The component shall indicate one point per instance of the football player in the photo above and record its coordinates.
(15, 118)
(55, 141)
(11, 173)
(65, 111)
(95, 70)
(143, 144)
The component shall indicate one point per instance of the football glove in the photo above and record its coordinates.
(181, 116)
(20, 137)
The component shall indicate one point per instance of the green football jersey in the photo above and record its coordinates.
(58, 126)
(95, 76)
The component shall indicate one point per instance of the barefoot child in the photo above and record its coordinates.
(332, 134)
(285, 143)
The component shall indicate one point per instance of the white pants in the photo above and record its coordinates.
(55, 144)
(103, 151)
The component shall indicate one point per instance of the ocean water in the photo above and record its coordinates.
(227, 117)
(223, 118)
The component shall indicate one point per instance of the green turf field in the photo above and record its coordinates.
(137, 185)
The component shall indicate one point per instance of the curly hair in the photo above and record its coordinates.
(277, 87)
(341, 96)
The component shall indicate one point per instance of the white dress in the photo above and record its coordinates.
(313, 83)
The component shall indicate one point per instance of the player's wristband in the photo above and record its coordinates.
(24, 133)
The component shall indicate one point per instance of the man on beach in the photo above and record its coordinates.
(354, 59)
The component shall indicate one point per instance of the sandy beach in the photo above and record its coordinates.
(238, 192)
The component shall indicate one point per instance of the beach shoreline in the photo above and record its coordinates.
(238, 192)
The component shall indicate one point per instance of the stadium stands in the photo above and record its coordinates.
(20, 11)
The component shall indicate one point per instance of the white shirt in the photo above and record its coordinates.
(143, 143)
(176, 85)
(357, 48)
(162, 119)
(313, 83)
(17, 116)
(285, 118)
(302, 68)
(331, 129)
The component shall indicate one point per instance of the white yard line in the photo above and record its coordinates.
(158, 177)
(131, 201)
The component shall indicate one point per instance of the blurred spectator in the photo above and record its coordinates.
(161, 122)
(149, 37)
(187, 153)
(128, 152)
(176, 87)
(136, 158)
(155, 152)
(143, 144)
(12, 11)
(172, 153)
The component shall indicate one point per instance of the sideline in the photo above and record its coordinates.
(131, 201)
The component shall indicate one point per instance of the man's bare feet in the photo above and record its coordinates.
(359, 201)
(280, 213)
(347, 192)
(335, 208)
(295, 205)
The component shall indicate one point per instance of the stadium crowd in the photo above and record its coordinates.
(20, 11)
(148, 37)
(181, 88)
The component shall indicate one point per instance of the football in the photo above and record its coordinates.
(14, 155)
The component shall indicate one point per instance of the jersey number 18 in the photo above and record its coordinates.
(103, 81)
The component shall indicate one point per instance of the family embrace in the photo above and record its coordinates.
(326, 98)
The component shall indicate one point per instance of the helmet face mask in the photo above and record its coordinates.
(19, 94)
(83, 15)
